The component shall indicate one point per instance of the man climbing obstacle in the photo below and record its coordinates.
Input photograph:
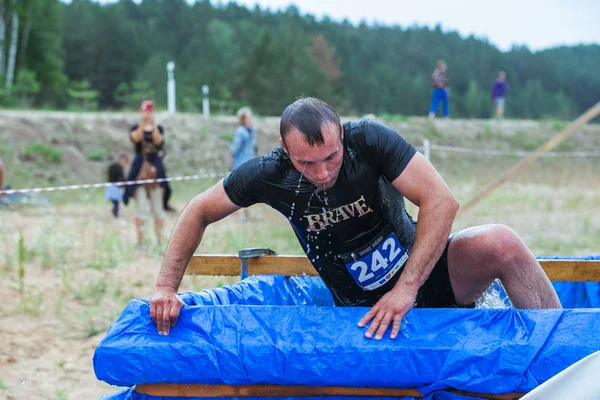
(342, 188)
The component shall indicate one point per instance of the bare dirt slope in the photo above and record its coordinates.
(195, 145)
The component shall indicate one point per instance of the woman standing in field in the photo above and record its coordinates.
(243, 146)
(148, 140)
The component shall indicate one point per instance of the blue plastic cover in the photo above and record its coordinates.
(577, 294)
(482, 350)
(266, 289)
(225, 337)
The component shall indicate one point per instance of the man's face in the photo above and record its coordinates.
(319, 164)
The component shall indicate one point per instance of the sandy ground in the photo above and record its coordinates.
(50, 331)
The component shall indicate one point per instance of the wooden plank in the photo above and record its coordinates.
(229, 265)
(201, 390)
(572, 270)
(583, 119)
(214, 264)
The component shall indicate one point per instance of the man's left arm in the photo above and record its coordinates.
(423, 186)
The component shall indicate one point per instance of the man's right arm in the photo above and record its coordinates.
(204, 209)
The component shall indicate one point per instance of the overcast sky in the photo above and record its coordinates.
(535, 23)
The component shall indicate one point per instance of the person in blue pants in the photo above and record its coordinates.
(441, 91)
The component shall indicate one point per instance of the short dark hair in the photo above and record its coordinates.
(307, 115)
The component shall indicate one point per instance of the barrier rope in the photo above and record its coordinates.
(105, 184)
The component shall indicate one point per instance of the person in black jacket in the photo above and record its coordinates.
(116, 173)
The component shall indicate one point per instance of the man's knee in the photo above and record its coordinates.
(505, 248)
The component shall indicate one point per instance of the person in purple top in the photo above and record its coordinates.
(499, 90)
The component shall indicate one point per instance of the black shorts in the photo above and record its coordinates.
(437, 291)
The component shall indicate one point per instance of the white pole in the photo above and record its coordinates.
(171, 88)
(426, 148)
(205, 102)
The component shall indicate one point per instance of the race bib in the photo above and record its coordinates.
(375, 264)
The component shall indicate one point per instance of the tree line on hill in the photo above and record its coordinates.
(83, 55)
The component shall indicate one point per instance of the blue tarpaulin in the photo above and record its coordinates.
(277, 330)
(577, 294)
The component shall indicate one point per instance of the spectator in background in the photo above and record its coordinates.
(116, 173)
(168, 191)
(148, 140)
(441, 91)
(243, 146)
(499, 90)
(1, 174)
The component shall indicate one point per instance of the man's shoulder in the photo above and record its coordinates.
(360, 129)
(354, 128)
(274, 165)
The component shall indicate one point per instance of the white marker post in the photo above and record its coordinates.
(171, 88)
(205, 102)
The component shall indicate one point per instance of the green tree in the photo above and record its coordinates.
(477, 102)
(123, 94)
(266, 59)
(83, 94)
(141, 90)
(25, 86)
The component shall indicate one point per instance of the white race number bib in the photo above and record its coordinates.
(375, 264)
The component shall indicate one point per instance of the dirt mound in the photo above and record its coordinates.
(47, 148)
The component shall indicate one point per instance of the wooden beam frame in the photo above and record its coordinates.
(229, 265)
(202, 390)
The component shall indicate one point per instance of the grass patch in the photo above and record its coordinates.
(46, 152)
(433, 133)
(98, 154)
(524, 141)
(395, 118)
(61, 394)
(31, 302)
(486, 132)
(91, 292)
(226, 136)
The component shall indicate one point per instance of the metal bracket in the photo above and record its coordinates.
(255, 252)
